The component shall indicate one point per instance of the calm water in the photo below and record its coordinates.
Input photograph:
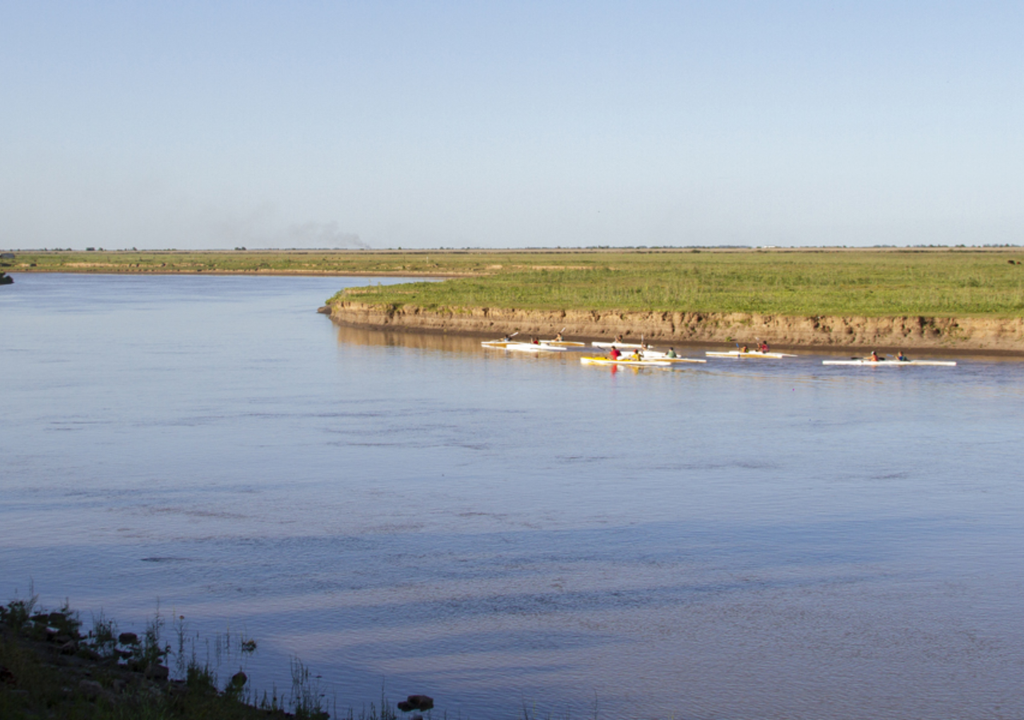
(743, 539)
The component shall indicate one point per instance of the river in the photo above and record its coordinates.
(514, 536)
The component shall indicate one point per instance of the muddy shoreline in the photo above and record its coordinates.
(990, 336)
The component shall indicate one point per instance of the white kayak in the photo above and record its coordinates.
(663, 355)
(514, 346)
(624, 360)
(890, 363)
(749, 354)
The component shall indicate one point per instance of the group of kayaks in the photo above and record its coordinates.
(642, 355)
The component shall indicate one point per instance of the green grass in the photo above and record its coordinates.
(864, 283)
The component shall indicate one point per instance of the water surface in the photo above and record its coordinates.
(742, 539)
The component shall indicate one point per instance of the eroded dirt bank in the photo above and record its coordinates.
(1003, 335)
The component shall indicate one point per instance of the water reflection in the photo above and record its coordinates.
(437, 342)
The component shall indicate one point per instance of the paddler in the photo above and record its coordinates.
(614, 353)
(671, 353)
(558, 337)
(744, 350)
(873, 357)
(901, 357)
(763, 347)
(618, 339)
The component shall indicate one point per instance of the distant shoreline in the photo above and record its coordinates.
(261, 273)
(925, 299)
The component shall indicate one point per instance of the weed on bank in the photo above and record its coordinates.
(49, 668)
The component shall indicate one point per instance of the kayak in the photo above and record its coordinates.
(890, 363)
(513, 346)
(567, 345)
(754, 354)
(587, 360)
(564, 343)
(662, 355)
(631, 346)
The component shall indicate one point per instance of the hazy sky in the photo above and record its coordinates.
(507, 124)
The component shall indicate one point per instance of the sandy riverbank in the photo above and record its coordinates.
(1002, 335)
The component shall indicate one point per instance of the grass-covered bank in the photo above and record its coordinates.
(51, 666)
(863, 283)
(959, 299)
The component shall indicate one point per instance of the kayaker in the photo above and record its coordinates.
(763, 347)
(873, 357)
(614, 353)
(901, 357)
(744, 349)
(637, 356)
(534, 340)
(618, 339)
(671, 353)
(558, 337)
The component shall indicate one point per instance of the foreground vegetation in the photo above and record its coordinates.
(49, 668)
(943, 282)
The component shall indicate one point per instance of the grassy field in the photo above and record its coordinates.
(868, 283)
(862, 283)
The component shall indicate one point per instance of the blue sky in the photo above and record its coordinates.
(510, 124)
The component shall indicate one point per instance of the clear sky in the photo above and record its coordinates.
(510, 124)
